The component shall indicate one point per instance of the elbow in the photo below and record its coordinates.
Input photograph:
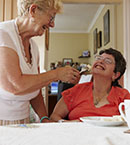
(14, 86)
(52, 117)
(55, 117)
(17, 92)
(17, 89)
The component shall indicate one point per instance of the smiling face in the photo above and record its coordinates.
(41, 20)
(104, 66)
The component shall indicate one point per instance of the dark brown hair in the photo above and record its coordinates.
(120, 62)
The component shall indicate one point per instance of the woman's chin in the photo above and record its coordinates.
(40, 33)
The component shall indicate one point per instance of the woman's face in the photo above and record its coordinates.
(43, 21)
(104, 65)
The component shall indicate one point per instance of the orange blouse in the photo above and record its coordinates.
(79, 101)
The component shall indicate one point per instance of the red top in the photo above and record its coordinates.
(79, 101)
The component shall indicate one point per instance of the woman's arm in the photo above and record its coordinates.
(60, 111)
(12, 79)
(39, 106)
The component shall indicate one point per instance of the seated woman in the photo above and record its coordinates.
(100, 97)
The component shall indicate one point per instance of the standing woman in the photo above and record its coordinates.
(20, 80)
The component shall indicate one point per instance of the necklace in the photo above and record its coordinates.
(97, 100)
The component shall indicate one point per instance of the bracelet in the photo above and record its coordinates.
(44, 117)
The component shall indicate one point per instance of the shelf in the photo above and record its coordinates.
(83, 56)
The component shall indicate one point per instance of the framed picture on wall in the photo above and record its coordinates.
(106, 20)
(95, 41)
(99, 39)
(67, 61)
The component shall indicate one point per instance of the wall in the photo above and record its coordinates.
(67, 45)
(99, 26)
(120, 37)
(8, 9)
(126, 20)
(116, 29)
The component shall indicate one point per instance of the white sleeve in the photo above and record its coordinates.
(5, 40)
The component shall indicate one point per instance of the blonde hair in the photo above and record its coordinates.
(43, 5)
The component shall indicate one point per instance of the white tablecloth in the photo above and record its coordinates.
(64, 134)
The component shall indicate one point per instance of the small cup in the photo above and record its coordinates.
(126, 113)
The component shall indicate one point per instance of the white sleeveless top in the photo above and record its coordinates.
(16, 107)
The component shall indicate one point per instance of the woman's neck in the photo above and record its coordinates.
(101, 86)
(24, 28)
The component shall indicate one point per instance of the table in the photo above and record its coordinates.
(64, 134)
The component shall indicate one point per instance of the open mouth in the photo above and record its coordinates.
(99, 67)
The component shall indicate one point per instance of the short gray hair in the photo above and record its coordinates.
(43, 5)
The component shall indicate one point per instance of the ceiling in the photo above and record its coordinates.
(76, 18)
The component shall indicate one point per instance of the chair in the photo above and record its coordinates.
(61, 87)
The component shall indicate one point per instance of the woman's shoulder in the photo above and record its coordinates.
(121, 92)
(78, 87)
(6, 25)
(7, 30)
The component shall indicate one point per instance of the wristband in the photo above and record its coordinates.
(44, 117)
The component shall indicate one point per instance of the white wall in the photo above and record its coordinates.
(126, 4)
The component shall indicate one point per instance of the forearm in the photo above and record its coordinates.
(56, 117)
(60, 111)
(39, 106)
(22, 84)
(28, 83)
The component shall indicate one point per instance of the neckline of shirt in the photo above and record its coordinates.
(22, 47)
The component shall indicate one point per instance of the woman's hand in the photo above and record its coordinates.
(68, 74)
(46, 121)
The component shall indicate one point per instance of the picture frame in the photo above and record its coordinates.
(67, 61)
(99, 39)
(47, 39)
(106, 20)
(95, 41)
